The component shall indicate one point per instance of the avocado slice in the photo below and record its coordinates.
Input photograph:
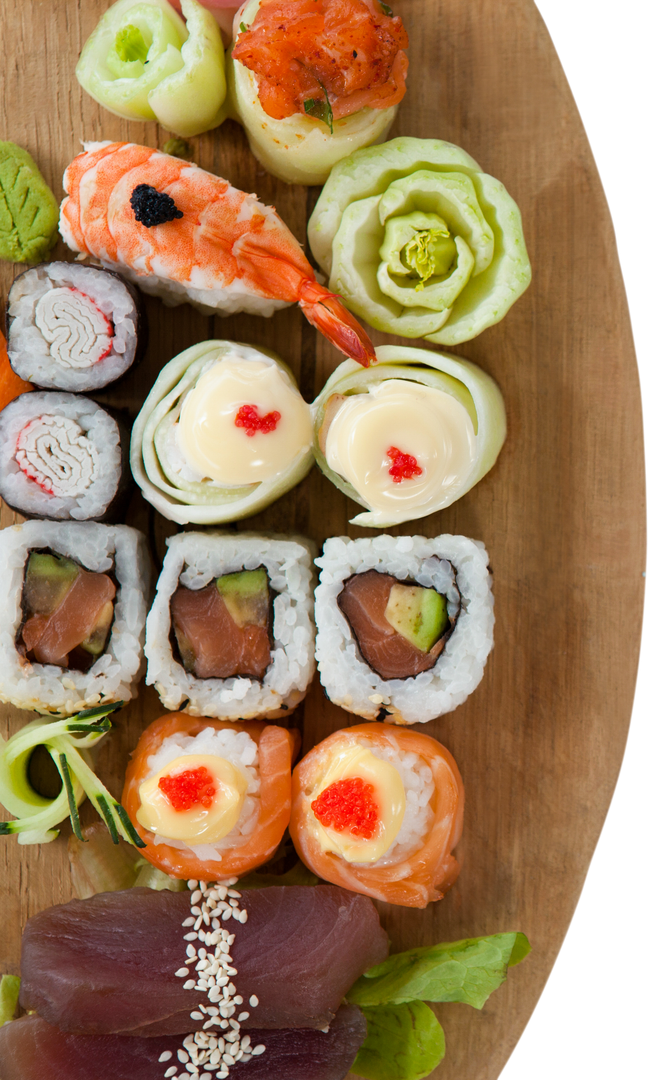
(48, 579)
(420, 615)
(246, 596)
(96, 641)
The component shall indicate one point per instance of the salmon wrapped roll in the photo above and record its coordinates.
(210, 800)
(379, 810)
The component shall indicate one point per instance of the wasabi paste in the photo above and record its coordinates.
(28, 209)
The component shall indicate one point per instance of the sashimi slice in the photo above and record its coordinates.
(30, 1049)
(221, 648)
(107, 964)
(52, 637)
(363, 602)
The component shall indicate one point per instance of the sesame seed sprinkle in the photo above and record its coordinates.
(203, 1053)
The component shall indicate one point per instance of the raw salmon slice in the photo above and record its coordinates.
(51, 638)
(210, 642)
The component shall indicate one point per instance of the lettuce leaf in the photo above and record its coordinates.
(465, 971)
(404, 1042)
(9, 991)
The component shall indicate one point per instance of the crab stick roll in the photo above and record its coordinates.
(404, 624)
(63, 457)
(313, 81)
(379, 810)
(73, 327)
(210, 800)
(223, 433)
(408, 436)
(230, 633)
(73, 598)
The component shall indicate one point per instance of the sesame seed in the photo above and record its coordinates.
(166, 1055)
(196, 896)
(192, 883)
(188, 922)
(181, 972)
(195, 910)
(189, 985)
(190, 937)
(258, 1049)
(243, 917)
(172, 1071)
(244, 1016)
(196, 1015)
(183, 1056)
(254, 1001)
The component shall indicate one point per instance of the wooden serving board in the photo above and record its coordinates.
(540, 741)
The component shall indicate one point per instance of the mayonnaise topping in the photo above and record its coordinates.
(430, 426)
(356, 760)
(204, 824)
(248, 452)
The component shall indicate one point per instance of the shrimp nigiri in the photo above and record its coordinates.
(186, 235)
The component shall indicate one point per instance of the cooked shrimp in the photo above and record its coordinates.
(185, 234)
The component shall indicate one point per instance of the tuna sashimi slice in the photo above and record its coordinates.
(363, 601)
(31, 1049)
(221, 648)
(107, 964)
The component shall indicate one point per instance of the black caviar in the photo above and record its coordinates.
(153, 207)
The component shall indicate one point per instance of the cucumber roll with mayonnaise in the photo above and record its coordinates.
(223, 433)
(409, 435)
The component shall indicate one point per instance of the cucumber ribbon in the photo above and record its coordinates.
(68, 743)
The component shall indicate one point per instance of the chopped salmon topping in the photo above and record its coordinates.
(346, 54)
(348, 805)
(404, 466)
(193, 787)
(248, 417)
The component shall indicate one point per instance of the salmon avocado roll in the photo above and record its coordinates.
(379, 810)
(210, 800)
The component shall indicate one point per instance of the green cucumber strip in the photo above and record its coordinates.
(74, 812)
(132, 833)
(107, 815)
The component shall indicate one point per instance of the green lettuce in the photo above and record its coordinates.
(418, 241)
(143, 63)
(404, 1042)
(9, 991)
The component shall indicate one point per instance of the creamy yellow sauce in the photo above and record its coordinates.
(389, 795)
(422, 421)
(198, 825)
(219, 450)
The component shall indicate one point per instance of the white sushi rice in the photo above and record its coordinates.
(70, 452)
(240, 750)
(55, 349)
(195, 559)
(346, 677)
(417, 779)
(114, 675)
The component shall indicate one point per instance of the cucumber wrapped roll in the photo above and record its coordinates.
(409, 435)
(314, 83)
(143, 63)
(419, 241)
(223, 433)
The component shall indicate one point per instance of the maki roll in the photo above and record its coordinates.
(404, 624)
(230, 633)
(62, 457)
(73, 598)
(408, 436)
(313, 81)
(73, 327)
(210, 800)
(223, 433)
(379, 810)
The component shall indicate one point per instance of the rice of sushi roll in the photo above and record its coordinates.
(73, 600)
(73, 327)
(230, 633)
(409, 435)
(223, 433)
(62, 457)
(404, 624)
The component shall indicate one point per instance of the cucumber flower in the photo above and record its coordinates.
(419, 242)
(143, 63)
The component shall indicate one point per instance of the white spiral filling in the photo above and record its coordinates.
(78, 333)
(54, 452)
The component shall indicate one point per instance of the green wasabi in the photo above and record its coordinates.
(28, 210)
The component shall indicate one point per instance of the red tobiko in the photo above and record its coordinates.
(193, 787)
(404, 466)
(248, 418)
(348, 806)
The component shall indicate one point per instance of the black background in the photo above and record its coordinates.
(588, 1025)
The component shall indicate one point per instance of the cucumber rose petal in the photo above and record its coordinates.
(419, 242)
(143, 63)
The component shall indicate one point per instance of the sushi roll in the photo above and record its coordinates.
(379, 810)
(312, 82)
(73, 327)
(223, 433)
(408, 436)
(73, 598)
(404, 624)
(209, 799)
(230, 633)
(62, 457)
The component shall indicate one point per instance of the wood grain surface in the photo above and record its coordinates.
(540, 741)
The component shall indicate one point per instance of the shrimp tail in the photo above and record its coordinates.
(325, 311)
